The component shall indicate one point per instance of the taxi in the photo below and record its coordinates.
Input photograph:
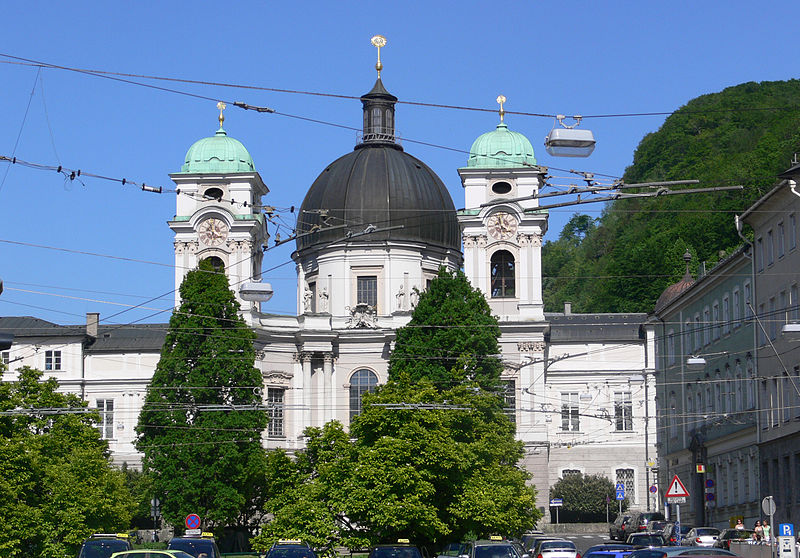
(290, 548)
(196, 545)
(401, 549)
(103, 545)
(149, 553)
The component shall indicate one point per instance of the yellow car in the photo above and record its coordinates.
(151, 554)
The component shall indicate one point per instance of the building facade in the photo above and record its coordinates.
(374, 229)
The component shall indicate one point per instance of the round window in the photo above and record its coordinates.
(501, 187)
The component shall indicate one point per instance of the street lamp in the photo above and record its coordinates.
(568, 141)
(791, 330)
(696, 363)
(256, 291)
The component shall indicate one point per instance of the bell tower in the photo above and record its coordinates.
(501, 227)
(217, 214)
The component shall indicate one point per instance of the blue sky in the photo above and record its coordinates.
(590, 58)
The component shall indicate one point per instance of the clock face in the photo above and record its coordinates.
(213, 232)
(502, 225)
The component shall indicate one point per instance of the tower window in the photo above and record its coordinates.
(216, 263)
(501, 187)
(503, 274)
(213, 193)
(367, 290)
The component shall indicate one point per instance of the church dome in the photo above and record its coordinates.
(217, 154)
(676, 289)
(378, 184)
(501, 148)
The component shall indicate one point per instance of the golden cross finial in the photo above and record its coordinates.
(501, 99)
(221, 107)
(378, 41)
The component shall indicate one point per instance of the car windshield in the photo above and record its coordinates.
(195, 547)
(452, 549)
(646, 539)
(710, 531)
(495, 551)
(102, 548)
(395, 552)
(291, 552)
(557, 545)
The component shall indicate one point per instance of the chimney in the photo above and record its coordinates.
(92, 321)
(567, 308)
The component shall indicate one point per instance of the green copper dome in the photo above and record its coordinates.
(501, 148)
(218, 154)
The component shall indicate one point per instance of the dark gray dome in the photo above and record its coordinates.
(379, 184)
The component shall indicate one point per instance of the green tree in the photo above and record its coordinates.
(57, 483)
(585, 497)
(198, 432)
(743, 135)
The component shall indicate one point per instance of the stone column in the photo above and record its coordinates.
(305, 358)
(327, 374)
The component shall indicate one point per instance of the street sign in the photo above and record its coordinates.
(710, 497)
(653, 489)
(709, 483)
(676, 500)
(620, 486)
(620, 494)
(676, 489)
(192, 521)
(768, 505)
(786, 530)
(555, 502)
(700, 468)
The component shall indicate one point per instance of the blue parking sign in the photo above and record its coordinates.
(786, 530)
(621, 486)
(620, 494)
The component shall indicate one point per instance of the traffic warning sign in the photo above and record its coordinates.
(676, 489)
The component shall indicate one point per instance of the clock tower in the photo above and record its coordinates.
(218, 213)
(502, 227)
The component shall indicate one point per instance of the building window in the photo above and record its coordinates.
(275, 403)
(510, 399)
(762, 338)
(625, 476)
(106, 424)
(770, 248)
(673, 416)
(5, 357)
(780, 240)
(706, 326)
(792, 232)
(737, 312)
(773, 319)
(747, 302)
(671, 356)
(503, 274)
(367, 290)
(726, 315)
(570, 419)
(623, 411)
(567, 472)
(794, 304)
(687, 338)
(698, 332)
(312, 288)
(760, 254)
(52, 360)
(715, 318)
(361, 382)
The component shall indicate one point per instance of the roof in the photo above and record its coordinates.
(501, 148)
(28, 326)
(217, 154)
(673, 291)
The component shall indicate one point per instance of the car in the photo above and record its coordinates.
(290, 548)
(640, 520)
(534, 540)
(150, 553)
(640, 540)
(616, 530)
(728, 535)
(401, 549)
(452, 549)
(492, 548)
(198, 546)
(702, 536)
(556, 549)
(103, 545)
(673, 537)
(608, 547)
(657, 525)
(617, 553)
(671, 551)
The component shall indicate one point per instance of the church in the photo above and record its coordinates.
(372, 232)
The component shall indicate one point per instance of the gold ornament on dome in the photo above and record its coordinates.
(378, 41)
(221, 106)
(500, 100)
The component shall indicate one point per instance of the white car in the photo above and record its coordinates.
(702, 536)
(556, 549)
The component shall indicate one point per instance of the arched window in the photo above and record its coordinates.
(503, 275)
(213, 194)
(216, 263)
(361, 381)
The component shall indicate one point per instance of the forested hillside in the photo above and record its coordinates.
(622, 261)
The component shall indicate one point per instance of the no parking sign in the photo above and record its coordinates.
(192, 521)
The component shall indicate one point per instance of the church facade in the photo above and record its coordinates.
(374, 229)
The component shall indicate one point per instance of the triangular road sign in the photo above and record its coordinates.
(676, 489)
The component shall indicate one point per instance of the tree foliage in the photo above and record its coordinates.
(57, 484)
(202, 460)
(432, 456)
(585, 497)
(744, 135)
